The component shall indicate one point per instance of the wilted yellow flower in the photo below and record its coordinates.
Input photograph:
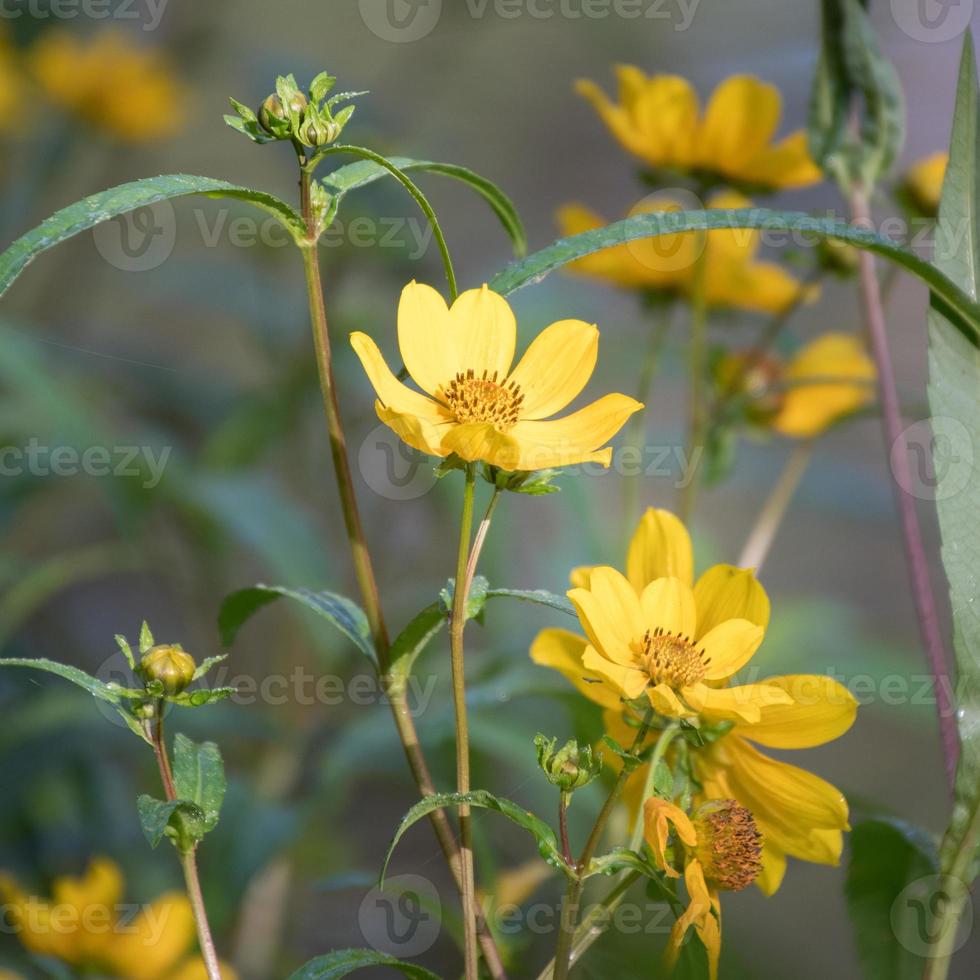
(733, 277)
(127, 91)
(720, 850)
(86, 925)
(924, 182)
(473, 404)
(658, 120)
(652, 636)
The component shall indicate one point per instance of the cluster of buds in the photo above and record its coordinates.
(307, 119)
(570, 767)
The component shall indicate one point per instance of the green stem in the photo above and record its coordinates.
(457, 624)
(659, 754)
(698, 409)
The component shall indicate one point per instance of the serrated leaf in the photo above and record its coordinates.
(954, 402)
(886, 856)
(127, 652)
(958, 305)
(543, 835)
(342, 612)
(184, 818)
(95, 687)
(343, 962)
(202, 696)
(105, 205)
(199, 776)
(205, 666)
(321, 85)
(146, 639)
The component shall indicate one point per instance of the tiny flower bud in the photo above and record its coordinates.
(318, 132)
(569, 768)
(170, 665)
(272, 113)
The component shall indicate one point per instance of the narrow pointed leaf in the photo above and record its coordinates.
(343, 962)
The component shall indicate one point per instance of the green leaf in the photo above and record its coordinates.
(180, 819)
(127, 651)
(475, 600)
(543, 834)
(954, 402)
(412, 640)
(105, 205)
(321, 85)
(202, 696)
(146, 639)
(199, 776)
(356, 175)
(346, 615)
(961, 307)
(538, 596)
(623, 859)
(886, 857)
(342, 962)
(205, 666)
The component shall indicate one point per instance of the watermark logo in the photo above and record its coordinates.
(404, 918)
(932, 21)
(148, 13)
(392, 469)
(919, 919)
(940, 457)
(139, 241)
(400, 21)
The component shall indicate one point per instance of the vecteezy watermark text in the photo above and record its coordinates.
(37, 459)
(148, 13)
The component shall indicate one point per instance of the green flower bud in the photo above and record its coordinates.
(272, 115)
(570, 767)
(314, 131)
(170, 665)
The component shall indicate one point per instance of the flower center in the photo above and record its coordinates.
(484, 399)
(669, 658)
(729, 844)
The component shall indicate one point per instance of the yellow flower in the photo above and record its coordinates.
(127, 91)
(924, 182)
(474, 404)
(86, 925)
(658, 120)
(667, 653)
(721, 851)
(733, 277)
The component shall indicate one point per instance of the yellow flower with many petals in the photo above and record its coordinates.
(651, 635)
(721, 850)
(474, 404)
(126, 90)
(658, 120)
(86, 925)
(733, 276)
(924, 182)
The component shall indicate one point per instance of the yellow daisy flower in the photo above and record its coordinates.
(720, 848)
(924, 182)
(651, 634)
(473, 403)
(126, 90)
(86, 925)
(733, 277)
(658, 120)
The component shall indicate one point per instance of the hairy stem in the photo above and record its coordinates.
(915, 553)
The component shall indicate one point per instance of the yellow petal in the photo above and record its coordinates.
(665, 702)
(419, 433)
(556, 367)
(391, 392)
(601, 618)
(563, 651)
(761, 287)
(741, 703)
(626, 680)
(668, 604)
(821, 710)
(773, 869)
(484, 331)
(726, 592)
(481, 441)
(924, 181)
(619, 603)
(665, 114)
(729, 647)
(787, 164)
(581, 576)
(659, 816)
(424, 337)
(576, 437)
(740, 120)
(809, 408)
(698, 909)
(155, 941)
(616, 117)
(101, 885)
(194, 969)
(660, 548)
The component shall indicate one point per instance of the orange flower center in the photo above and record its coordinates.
(729, 844)
(484, 399)
(669, 658)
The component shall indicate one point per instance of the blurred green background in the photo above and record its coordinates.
(205, 357)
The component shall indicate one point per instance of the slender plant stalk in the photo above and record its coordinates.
(396, 693)
(698, 409)
(566, 848)
(457, 625)
(480, 539)
(915, 553)
(760, 539)
(188, 858)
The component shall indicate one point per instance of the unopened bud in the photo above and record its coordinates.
(272, 113)
(570, 767)
(170, 666)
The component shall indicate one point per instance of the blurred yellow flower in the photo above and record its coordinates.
(11, 87)
(474, 404)
(658, 120)
(721, 850)
(733, 277)
(652, 635)
(126, 90)
(924, 182)
(87, 925)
